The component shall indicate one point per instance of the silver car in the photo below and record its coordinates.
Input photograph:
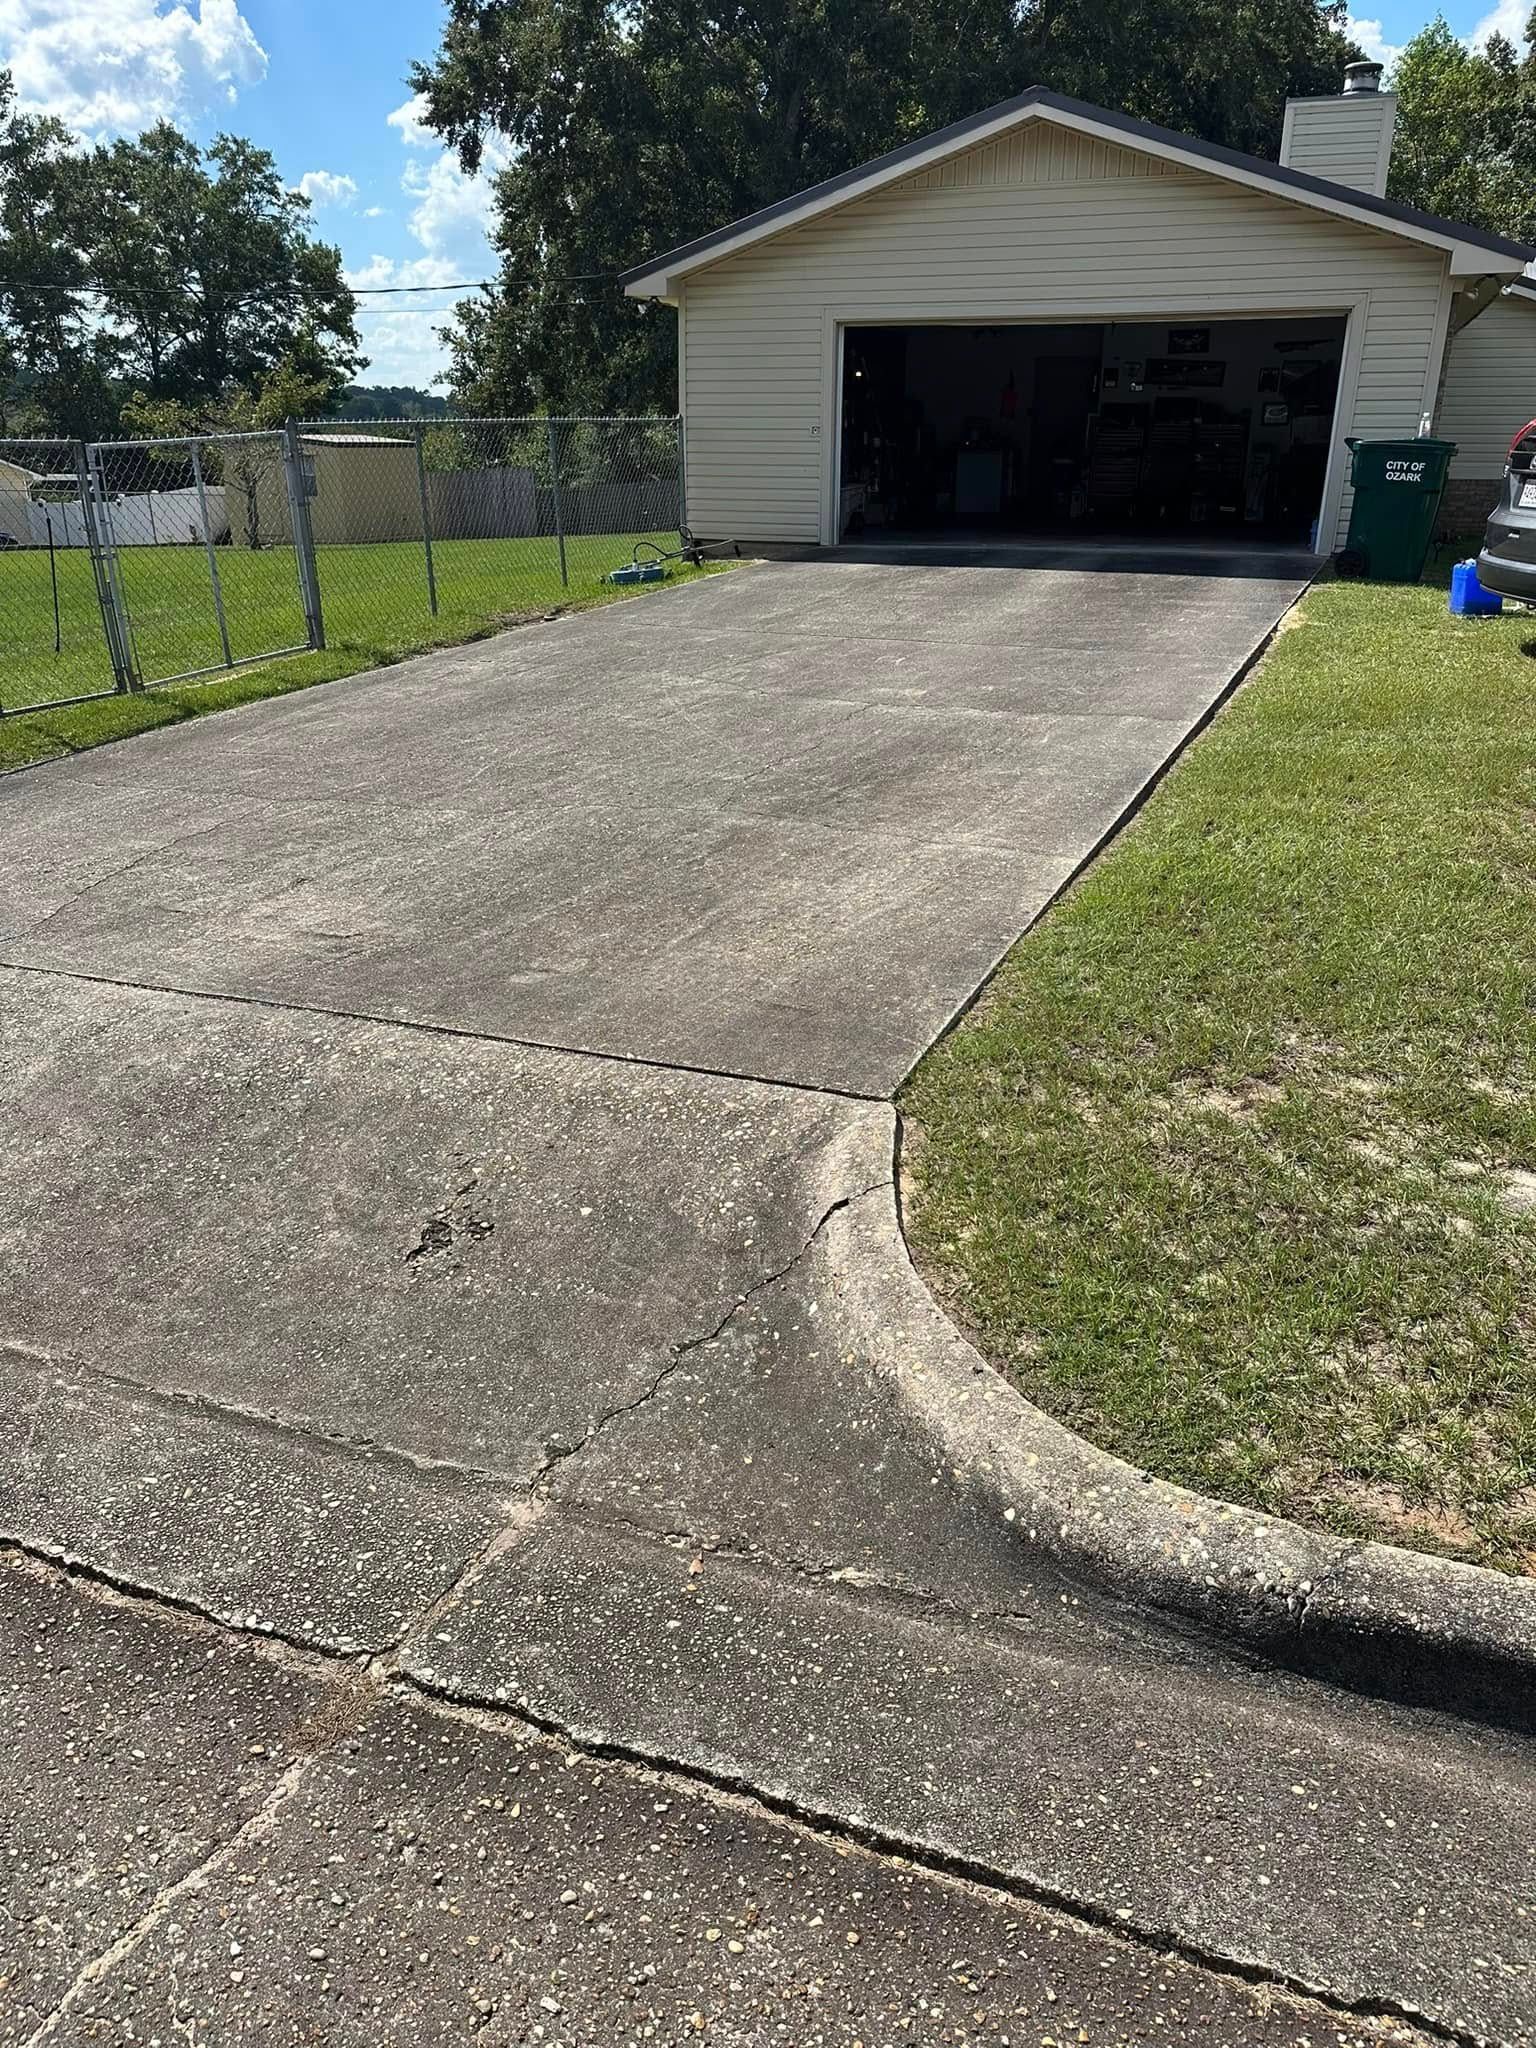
(1507, 564)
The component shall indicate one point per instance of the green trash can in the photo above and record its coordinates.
(1398, 488)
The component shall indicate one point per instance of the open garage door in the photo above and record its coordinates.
(1204, 428)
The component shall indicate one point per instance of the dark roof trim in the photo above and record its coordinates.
(1280, 175)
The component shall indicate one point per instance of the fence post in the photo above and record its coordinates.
(103, 554)
(426, 516)
(303, 535)
(213, 564)
(554, 483)
(53, 578)
(682, 479)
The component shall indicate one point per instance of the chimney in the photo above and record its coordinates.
(1347, 138)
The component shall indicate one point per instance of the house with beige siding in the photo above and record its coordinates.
(1052, 318)
(1488, 395)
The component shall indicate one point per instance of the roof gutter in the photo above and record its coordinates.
(1474, 298)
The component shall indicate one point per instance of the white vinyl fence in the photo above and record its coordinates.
(141, 519)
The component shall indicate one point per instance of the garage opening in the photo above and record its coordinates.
(1201, 428)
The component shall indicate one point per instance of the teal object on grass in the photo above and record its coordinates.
(1398, 487)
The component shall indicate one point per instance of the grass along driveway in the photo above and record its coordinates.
(374, 598)
(1234, 1167)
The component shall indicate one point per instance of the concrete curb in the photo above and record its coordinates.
(1395, 1623)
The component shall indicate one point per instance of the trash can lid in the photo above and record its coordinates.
(1426, 441)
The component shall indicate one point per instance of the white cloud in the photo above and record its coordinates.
(1508, 18)
(110, 66)
(400, 334)
(449, 218)
(328, 188)
(373, 213)
(379, 271)
(450, 206)
(409, 119)
(1368, 34)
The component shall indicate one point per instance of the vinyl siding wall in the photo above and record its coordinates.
(1490, 387)
(1041, 224)
(1345, 139)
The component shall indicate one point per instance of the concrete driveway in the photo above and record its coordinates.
(777, 825)
(780, 824)
(445, 1222)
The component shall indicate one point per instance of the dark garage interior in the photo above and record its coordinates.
(1197, 427)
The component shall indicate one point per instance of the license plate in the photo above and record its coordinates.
(1527, 495)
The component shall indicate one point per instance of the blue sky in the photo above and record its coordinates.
(321, 83)
(1383, 28)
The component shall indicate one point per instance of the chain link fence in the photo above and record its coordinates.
(482, 519)
(129, 563)
(57, 631)
(202, 538)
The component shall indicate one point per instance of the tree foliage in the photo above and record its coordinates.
(390, 402)
(153, 267)
(635, 126)
(1466, 134)
(208, 269)
(51, 373)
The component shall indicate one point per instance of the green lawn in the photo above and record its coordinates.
(376, 610)
(1234, 1166)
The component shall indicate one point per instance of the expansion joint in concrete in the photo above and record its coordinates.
(374, 1678)
(252, 1829)
(428, 1028)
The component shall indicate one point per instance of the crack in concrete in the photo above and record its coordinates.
(825, 1571)
(929, 1860)
(1121, 1623)
(252, 1829)
(1311, 1588)
(78, 896)
(382, 1678)
(557, 1454)
(448, 1223)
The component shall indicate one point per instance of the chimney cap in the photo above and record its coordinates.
(1364, 76)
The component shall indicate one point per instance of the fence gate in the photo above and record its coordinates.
(129, 563)
(59, 636)
(201, 539)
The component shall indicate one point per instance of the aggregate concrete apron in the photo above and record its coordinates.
(549, 1358)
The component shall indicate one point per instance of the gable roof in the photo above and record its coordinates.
(1472, 250)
